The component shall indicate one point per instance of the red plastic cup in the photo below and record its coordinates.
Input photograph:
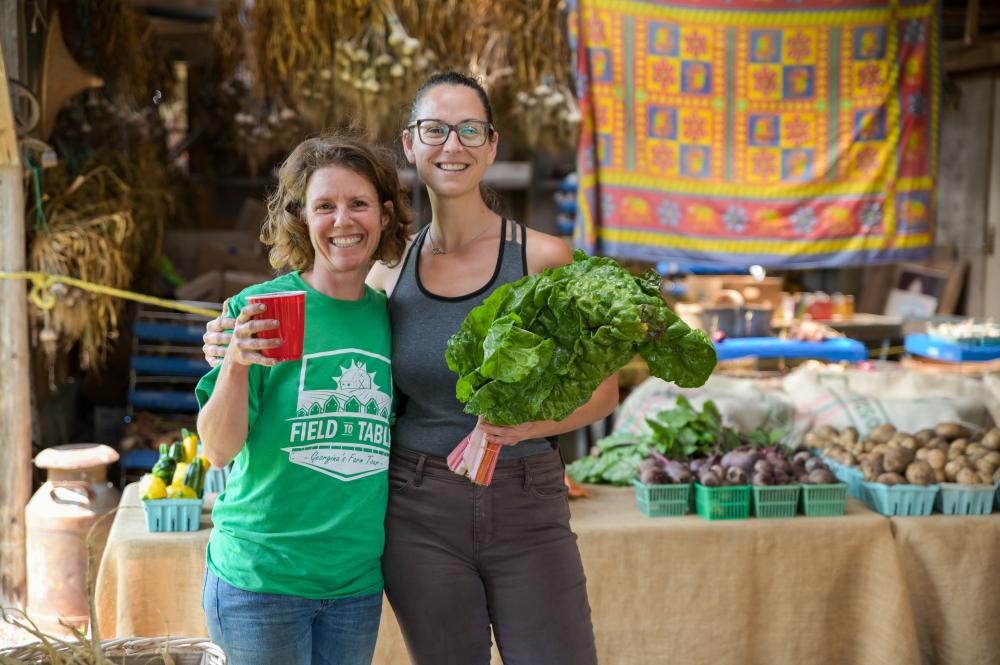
(289, 309)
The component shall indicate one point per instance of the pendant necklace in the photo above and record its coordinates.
(437, 251)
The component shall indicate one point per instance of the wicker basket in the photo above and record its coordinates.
(132, 651)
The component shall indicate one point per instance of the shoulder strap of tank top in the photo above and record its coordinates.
(524, 248)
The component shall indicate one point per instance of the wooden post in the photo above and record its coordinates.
(15, 382)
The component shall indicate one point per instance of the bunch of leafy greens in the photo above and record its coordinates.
(537, 348)
(679, 433)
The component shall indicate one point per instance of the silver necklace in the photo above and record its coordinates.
(441, 250)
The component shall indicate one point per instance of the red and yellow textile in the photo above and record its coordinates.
(787, 133)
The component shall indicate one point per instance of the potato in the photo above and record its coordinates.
(952, 431)
(891, 479)
(939, 476)
(922, 453)
(936, 458)
(956, 449)
(974, 451)
(882, 433)
(952, 468)
(869, 445)
(897, 459)
(920, 473)
(937, 442)
(872, 467)
(814, 440)
(993, 457)
(985, 478)
(924, 436)
(909, 442)
(967, 476)
(828, 431)
(983, 465)
(848, 437)
(881, 449)
(991, 440)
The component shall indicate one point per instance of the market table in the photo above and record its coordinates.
(802, 590)
(951, 565)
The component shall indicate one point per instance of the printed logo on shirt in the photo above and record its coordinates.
(341, 424)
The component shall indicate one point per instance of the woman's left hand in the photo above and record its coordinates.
(510, 435)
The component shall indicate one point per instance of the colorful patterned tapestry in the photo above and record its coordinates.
(787, 133)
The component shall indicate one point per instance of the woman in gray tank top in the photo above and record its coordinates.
(460, 558)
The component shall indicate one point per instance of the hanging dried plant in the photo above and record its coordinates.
(118, 43)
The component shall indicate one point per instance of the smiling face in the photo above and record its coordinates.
(345, 222)
(450, 169)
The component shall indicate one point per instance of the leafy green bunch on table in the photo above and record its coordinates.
(537, 349)
(679, 433)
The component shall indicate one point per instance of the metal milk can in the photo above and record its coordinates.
(74, 496)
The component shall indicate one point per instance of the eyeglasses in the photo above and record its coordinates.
(471, 133)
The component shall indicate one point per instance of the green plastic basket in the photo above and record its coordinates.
(172, 514)
(956, 499)
(722, 503)
(777, 501)
(662, 500)
(891, 500)
(824, 500)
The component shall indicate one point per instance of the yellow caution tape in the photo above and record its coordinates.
(42, 296)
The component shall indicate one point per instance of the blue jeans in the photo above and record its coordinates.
(270, 629)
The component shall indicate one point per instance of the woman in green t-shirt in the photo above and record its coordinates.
(293, 563)
(463, 560)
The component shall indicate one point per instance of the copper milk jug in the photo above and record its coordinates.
(74, 496)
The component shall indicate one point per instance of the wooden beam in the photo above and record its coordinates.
(971, 22)
(15, 383)
(961, 59)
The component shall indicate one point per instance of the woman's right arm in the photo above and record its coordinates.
(223, 421)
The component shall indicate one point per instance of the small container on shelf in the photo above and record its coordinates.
(824, 500)
(722, 503)
(662, 500)
(172, 514)
(775, 501)
(957, 499)
(900, 500)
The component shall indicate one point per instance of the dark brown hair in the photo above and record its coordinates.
(285, 230)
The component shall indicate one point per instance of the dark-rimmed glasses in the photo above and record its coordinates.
(471, 133)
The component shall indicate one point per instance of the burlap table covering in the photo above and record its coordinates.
(951, 566)
(681, 590)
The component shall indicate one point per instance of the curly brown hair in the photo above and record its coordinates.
(285, 230)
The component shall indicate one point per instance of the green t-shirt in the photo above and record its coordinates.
(304, 506)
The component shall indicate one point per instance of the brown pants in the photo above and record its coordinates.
(460, 558)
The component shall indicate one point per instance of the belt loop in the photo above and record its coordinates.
(527, 472)
(419, 474)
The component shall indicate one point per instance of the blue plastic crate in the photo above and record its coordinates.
(172, 514)
(957, 499)
(890, 500)
(950, 350)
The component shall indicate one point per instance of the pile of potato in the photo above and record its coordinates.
(949, 452)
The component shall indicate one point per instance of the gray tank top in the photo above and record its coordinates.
(429, 419)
